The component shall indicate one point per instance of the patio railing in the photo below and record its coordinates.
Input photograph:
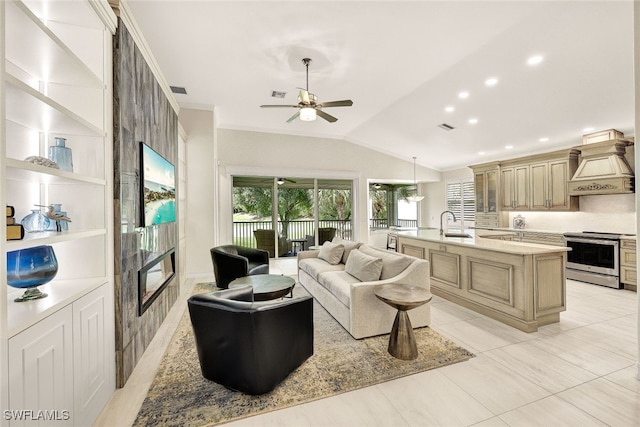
(381, 224)
(243, 230)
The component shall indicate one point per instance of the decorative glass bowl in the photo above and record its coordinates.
(30, 268)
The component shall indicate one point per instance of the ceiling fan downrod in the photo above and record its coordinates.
(306, 62)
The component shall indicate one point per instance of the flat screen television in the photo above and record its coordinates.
(159, 187)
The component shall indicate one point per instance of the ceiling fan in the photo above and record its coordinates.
(308, 105)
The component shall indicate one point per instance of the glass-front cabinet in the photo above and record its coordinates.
(487, 190)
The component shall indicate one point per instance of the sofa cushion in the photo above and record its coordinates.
(314, 266)
(339, 284)
(392, 263)
(365, 268)
(349, 245)
(331, 252)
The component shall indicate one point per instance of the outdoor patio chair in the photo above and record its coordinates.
(265, 240)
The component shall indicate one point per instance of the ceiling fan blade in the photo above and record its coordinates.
(343, 103)
(326, 116)
(304, 96)
(292, 118)
(278, 106)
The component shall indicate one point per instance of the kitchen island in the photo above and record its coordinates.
(520, 284)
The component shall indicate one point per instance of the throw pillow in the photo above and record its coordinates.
(331, 252)
(363, 267)
(349, 245)
(392, 263)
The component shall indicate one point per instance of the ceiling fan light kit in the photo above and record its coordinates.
(307, 114)
(308, 106)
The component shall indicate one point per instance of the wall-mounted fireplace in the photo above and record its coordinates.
(153, 278)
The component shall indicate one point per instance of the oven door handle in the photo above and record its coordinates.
(594, 241)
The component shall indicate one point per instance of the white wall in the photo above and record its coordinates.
(201, 217)
(257, 153)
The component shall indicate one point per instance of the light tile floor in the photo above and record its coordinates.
(578, 372)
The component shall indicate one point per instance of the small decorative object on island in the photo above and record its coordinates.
(30, 268)
(518, 222)
(61, 154)
(58, 220)
(35, 222)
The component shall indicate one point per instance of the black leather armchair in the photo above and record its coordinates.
(232, 261)
(247, 346)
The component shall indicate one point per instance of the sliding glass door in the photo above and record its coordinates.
(307, 211)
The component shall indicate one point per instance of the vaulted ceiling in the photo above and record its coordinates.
(402, 64)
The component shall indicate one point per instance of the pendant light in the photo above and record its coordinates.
(415, 198)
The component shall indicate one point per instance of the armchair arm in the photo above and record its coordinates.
(228, 267)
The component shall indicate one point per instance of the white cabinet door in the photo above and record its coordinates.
(93, 348)
(41, 373)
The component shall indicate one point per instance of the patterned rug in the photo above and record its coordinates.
(180, 396)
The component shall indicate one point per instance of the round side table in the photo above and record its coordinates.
(402, 341)
(266, 286)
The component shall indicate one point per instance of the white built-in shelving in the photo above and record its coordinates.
(56, 81)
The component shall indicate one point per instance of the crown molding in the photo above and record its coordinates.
(105, 11)
(122, 10)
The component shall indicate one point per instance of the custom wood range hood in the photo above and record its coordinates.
(603, 167)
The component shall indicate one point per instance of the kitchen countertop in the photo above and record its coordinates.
(477, 241)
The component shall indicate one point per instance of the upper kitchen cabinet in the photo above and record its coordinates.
(549, 182)
(488, 213)
(514, 187)
(56, 82)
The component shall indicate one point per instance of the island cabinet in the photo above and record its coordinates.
(57, 353)
(628, 269)
(518, 284)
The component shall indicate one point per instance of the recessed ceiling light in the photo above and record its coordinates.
(535, 60)
(463, 95)
(589, 129)
(449, 108)
(481, 153)
(508, 147)
(492, 81)
(545, 139)
(473, 121)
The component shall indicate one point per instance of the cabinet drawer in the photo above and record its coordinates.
(415, 251)
(628, 244)
(543, 238)
(628, 275)
(628, 258)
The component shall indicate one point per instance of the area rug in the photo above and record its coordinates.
(180, 396)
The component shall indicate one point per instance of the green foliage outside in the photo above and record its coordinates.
(293, 204)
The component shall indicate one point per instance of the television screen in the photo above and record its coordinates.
(159, 198)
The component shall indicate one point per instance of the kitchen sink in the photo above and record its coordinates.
(464, 235)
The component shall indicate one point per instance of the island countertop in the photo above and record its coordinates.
(481, 239)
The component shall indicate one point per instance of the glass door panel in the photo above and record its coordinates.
(253, 210)
(295, 214)
(335, 203)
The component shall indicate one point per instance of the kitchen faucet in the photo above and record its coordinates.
(441, 215)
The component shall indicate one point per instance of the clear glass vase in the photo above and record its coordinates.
(35, 222)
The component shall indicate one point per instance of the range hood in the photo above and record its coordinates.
(603, 169)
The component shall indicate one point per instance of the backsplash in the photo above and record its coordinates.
(606, 213)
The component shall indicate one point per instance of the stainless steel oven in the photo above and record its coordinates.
(594, 258)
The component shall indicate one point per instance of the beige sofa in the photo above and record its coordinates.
(352, 302)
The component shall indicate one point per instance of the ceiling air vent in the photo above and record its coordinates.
(178, 89)
(278, 94)
(446, 127)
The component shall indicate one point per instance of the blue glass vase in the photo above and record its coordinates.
(30, 268)
(35, 222)
(61, 154)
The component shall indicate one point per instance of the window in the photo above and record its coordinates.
(460, 199)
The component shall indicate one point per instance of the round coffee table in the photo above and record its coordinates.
(402, 341)
(266, 286)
